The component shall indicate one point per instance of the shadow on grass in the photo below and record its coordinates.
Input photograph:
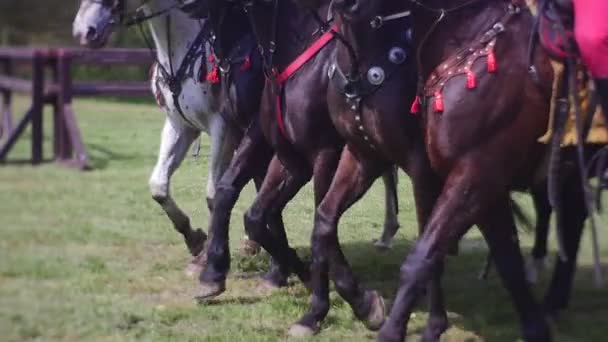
(229, 300)
(101, 156)
(480, 308)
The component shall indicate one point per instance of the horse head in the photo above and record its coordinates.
(95, 21)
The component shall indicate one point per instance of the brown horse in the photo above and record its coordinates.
(373, 82)
(483, 115)
(303, 139)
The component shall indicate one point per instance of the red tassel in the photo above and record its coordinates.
(160, 99)
(211, 58)
(415, 109)
(151, 71)
(214, 76)
(492, 61)
(246, 64)
(471, 81)
(438, 104)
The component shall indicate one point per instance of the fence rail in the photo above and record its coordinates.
(58, 91)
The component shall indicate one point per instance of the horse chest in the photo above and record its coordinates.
(193, 106)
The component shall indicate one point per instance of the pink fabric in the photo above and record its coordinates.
(591, 33)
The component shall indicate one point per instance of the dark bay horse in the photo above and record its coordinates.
(305, 143)
(483, 116)
(373, 82)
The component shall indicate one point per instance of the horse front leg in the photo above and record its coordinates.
(250, 160)
(352, 179)
(391, 220)
(264, 222)
(175, 141)
(224, 140)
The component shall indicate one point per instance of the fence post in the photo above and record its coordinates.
(38, 65)
(6, 126)
(72, 145)
(59, 131)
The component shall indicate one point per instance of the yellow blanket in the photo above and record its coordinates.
(598, 134)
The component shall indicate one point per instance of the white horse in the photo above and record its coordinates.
(197, 109)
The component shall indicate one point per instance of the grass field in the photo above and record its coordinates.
(90, 256)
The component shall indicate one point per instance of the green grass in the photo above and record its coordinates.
(90, 256)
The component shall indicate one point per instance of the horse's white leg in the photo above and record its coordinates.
(391, 221)
(223, 144)
(174, 144)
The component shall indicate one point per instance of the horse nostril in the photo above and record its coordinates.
(91, 33)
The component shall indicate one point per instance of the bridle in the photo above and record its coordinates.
(353, 84)
(137, 16)
(172, 77)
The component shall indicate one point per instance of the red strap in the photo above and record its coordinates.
(307, 55)
(296, 65)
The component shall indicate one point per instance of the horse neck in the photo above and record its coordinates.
(232, 29)
(369, 43)
(454, 31)
(174, 39)
(295, 27)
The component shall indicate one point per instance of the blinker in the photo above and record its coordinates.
(375, 75)
(397, 55)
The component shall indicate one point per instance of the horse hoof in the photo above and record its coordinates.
(196, 265)
(249, 247)
(193, 269)
(299, 330)
(377, 314)
(382, 245)
(435, 327)
(210, 290)
(196, 242)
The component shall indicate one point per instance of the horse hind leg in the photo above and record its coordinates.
(175, 141)
(500, 232)
(391, 220)
(538, 260)
(559, 292)
(463, 201)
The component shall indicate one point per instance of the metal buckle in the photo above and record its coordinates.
(377, 22)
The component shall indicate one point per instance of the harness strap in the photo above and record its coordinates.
(173, 78)
(307, 55)
(294, 66)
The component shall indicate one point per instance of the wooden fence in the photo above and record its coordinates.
(58, 91)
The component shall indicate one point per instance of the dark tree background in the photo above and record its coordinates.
(47, 22)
